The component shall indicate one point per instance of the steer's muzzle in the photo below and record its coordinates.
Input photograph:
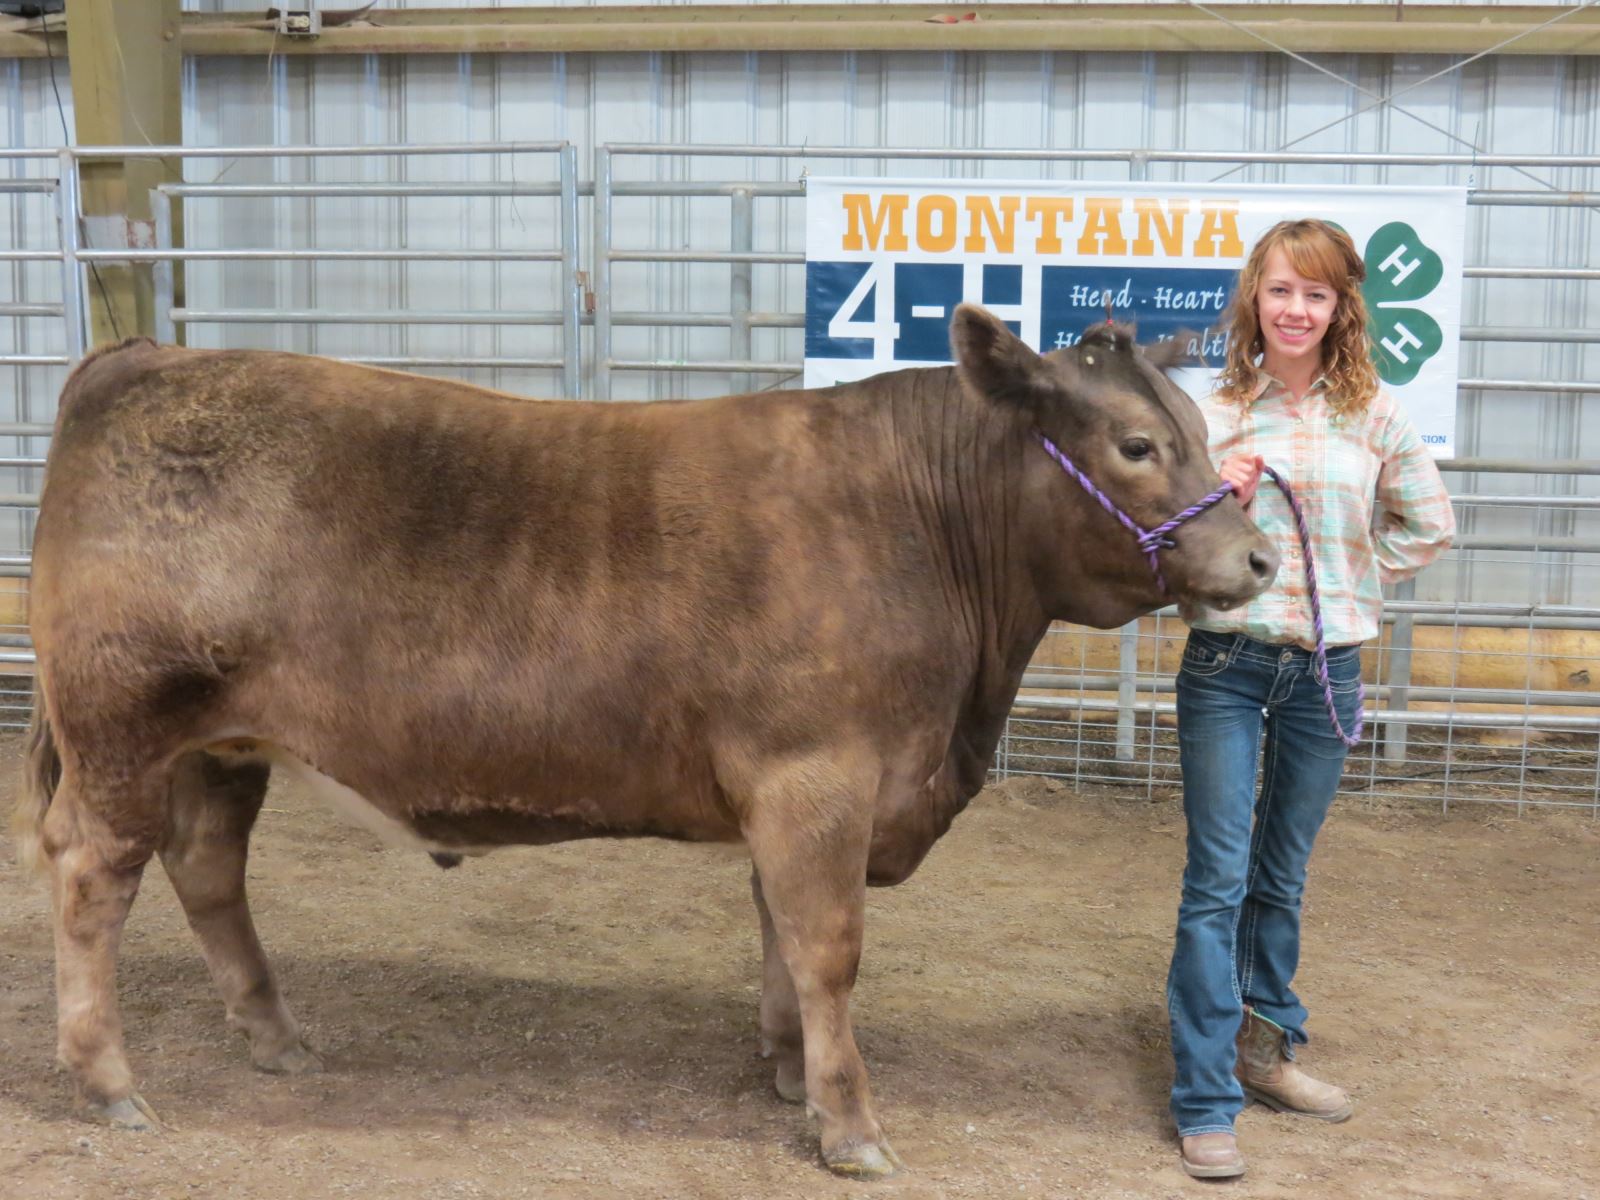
(1237, 575)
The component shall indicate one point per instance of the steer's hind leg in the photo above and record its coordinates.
(213, 808)
(781, 1037)
(94, 869)
(808, 828)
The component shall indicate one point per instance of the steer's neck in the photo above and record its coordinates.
(963, 465)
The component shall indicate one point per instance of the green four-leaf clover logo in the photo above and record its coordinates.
(1401, 270)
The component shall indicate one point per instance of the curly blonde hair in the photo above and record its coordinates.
(1320, 251)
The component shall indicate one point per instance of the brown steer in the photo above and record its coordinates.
(798, 619)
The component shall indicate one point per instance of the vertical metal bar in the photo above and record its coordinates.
(602, 272)
(742, 241)
(1397, 674)
(68, 206)
(1449, 750)
(161, 209)
(1127, 680)
(571, 286)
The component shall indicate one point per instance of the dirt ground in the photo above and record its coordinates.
(580, 1020)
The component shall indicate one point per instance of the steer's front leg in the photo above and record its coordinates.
(809, 830)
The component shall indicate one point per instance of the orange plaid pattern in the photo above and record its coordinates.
(1376, 507)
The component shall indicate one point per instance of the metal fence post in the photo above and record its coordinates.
(602, 273)
(68, 207)
(1127, 688)
(1398, 675)
(742, 241)
(166, 329)
(571, 287)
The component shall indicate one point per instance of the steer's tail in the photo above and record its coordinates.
(41, 771)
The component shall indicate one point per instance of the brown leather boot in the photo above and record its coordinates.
(1269, 1075)
(1210, 1156)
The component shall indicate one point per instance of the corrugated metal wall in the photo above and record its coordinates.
(1217, 102)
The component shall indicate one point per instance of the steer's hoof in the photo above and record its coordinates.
(863, 1161)
(294, 1059)
(791, 1081)
(129, 1113)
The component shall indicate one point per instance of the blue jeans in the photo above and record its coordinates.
(1239, 920)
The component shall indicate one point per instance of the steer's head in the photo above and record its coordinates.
(1142, 442)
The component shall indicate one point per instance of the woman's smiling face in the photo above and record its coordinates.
(1294, 313)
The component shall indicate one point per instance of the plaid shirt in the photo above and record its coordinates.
(1374, 503)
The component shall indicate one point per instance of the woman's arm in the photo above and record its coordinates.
(1414, 522)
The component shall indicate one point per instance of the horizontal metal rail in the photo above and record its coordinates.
(1521, 466)
(1162, 684)
(1550, 199)
(220, 191)
(362, 151)
(767, 320)
(1535, 544)
(1579, 273)
(278, 316)
(1506, 333)
(1525, 385)
(1528, 501)
(790, 258)
(1486, 608)
(712, 365)
(1476, 614)
(1280, 157)
(792, 190)
(672, 188)
(1555, 722)
(310, 316)
(267, 254)
(539, 364)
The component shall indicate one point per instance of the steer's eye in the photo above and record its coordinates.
(1136, 448)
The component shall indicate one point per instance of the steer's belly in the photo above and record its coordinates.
(474, 825)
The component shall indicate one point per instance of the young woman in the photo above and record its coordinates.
(1299, 392)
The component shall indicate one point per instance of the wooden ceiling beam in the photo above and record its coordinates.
(1158, 27)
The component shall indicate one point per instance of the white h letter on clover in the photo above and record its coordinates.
(1404, 268)
(1397, 346)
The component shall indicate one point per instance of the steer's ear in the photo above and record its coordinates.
(995, 363)
(1179, 350)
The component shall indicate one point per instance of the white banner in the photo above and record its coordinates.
(887, 261)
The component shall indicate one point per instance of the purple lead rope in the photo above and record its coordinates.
(1152, 541)
(1320, 655)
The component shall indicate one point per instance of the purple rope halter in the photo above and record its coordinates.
(1152, 541)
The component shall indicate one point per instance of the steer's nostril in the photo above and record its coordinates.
(1262, 564)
